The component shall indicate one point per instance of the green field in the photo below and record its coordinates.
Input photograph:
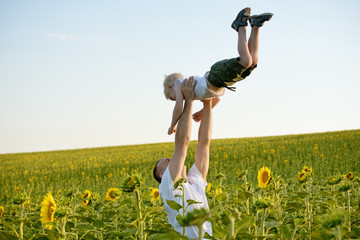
(317, 208)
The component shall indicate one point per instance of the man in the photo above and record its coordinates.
(169, 170)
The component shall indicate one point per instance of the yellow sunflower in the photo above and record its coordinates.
(208, 187)
(155, 195)
(2, 210)
(264, 177)
(349, 176)
(112, 194)
(48, 210)
(86, 196)
(302, 176)
(218, 191)
(307, 170)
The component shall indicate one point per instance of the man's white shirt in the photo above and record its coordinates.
(194, 190)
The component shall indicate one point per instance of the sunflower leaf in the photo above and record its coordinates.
(245, 195)
(124, 202)
(174, 205)
(84, 226)
(285, 231)
(190, 201)
(98, 223)
(221, 197)
(4, 235)
(152, 210)
(244, 222)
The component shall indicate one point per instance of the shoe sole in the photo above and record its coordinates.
(266, 16)
(261, 15)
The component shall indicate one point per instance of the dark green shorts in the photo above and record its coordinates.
(227, 72)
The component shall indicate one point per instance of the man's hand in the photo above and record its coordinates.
(187, 88)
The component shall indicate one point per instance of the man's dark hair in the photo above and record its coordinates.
(157, 178)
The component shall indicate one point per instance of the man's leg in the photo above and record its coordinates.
(254, 45)
(204, 138)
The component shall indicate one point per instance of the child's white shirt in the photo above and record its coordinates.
(201, 90)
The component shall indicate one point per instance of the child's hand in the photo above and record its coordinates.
(171, 130)
(198, 116)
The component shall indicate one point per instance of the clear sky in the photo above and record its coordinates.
(76, 74)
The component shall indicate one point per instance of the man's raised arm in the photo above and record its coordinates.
(183, 132)
(203, 149)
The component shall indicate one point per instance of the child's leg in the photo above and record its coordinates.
(256, 21)
(254, 45)
(243, 49)
(239, 25)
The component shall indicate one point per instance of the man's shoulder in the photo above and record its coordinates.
(166, 181)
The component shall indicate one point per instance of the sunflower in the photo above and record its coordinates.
(86, 196)
(349, 176)
(155, 195)
(307, 170)
(48, 210)
(131, 183)
(218, 191)
(2, 210)
(264, 177)
(112, 194)
(208, 187)
(302, 176)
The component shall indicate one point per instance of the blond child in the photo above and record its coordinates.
(223, 74)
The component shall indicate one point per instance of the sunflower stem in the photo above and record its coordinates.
(262, 226)
(116, 222)
(232, 228)
(183, 203)
(141, 220)
(348, 209)
(338, 233)
(308, 208)
(200, 231)
(74, 210)
(63, 224)
(21, 227)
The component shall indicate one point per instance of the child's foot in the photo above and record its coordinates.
(258, 20)
(198, 116)
(241, 19)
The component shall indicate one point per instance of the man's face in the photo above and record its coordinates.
(162, 165)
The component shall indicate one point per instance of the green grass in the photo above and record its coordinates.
(101, 168)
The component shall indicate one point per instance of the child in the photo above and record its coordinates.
(223, 74)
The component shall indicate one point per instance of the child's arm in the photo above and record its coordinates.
(178, 109)
(198, 115)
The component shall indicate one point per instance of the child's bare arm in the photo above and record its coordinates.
(178, 109)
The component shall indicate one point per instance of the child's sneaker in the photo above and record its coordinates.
(258, 20)
(241, 19)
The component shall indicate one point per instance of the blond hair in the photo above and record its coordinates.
(170, 80)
